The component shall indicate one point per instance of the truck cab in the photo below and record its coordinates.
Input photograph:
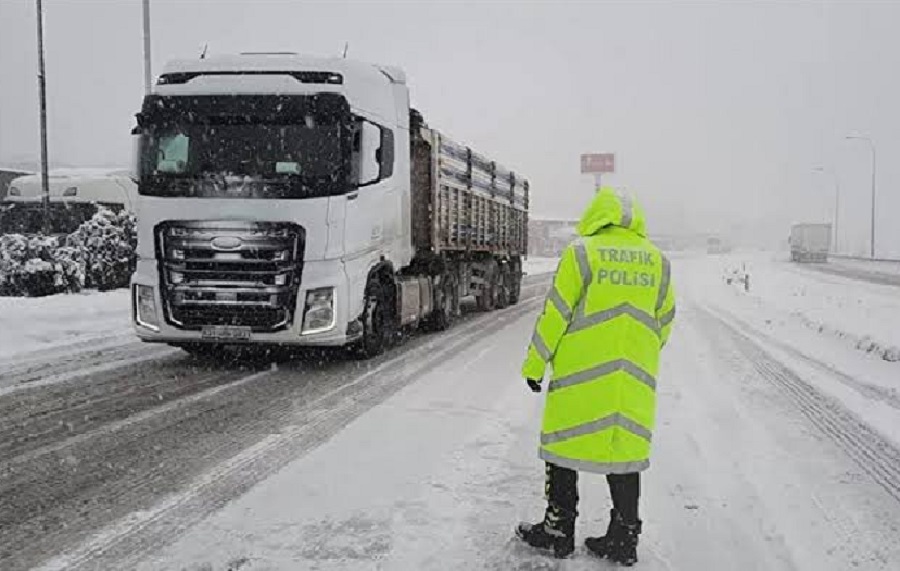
(271, 186)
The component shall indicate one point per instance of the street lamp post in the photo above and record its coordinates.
(42, 96)
(148, 74)
(872, 224)
(837, 204)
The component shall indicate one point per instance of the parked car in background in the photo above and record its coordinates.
(74, 198)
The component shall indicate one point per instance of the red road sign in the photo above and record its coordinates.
(598, 163)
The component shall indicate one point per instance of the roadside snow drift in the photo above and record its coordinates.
(30, 324)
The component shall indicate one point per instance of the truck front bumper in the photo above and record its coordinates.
(316, 275)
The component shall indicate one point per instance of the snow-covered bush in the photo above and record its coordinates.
(30, 266)
(106, 246)
(100, 254)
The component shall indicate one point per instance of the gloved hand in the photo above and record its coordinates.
(534, 385)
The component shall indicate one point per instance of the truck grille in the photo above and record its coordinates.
(230, 273)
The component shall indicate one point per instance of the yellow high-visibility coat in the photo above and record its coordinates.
(607, 316)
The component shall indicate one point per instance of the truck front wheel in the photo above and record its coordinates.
(376, 320)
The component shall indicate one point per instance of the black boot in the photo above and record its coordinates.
(624, 551)
(602, 546)
(557, 534)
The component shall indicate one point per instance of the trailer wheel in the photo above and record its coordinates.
(375, 321)
(515, 282)
(504, 288)
(446, 303)
(487, 298)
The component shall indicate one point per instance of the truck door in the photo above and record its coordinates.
(364, 218)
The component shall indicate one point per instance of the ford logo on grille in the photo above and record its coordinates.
(226, 243)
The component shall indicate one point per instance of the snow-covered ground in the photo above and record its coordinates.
(32, 324)
(535, 265)
(867, 266)
(866, 315)
(777, 444)
(438, 475)
(842, 334)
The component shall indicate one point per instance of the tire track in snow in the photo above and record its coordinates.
(57, 369)
(37, 411)
(54, 420)
(79, 360)
(879, 458)
(123, 544)
(875, 392)
(114, 464)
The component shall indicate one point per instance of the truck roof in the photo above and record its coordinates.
(286, 62)
(374, 89)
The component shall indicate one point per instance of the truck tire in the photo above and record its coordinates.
(486, 300)
(446, 303)
(504, 287)
(515, 287)
(376, 320)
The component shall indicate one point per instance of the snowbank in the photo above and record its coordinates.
(862, 314)
(867, 266)
(839, 335)
(30, 324)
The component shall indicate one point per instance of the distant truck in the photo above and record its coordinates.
(810, 242)
(292, 200)
(74, 198)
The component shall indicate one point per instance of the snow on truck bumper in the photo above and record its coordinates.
(151, 325)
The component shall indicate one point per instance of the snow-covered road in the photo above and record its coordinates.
(776, 448)
(754, 469)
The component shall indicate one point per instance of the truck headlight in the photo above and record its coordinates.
(145, 307)
(319, 314)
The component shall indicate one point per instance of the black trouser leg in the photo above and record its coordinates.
(625, 490)
(561, 489)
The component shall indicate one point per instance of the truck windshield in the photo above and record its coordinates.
(244, 147)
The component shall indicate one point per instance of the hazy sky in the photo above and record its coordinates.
(718, 111)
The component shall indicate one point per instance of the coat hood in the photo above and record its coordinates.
(612, 208)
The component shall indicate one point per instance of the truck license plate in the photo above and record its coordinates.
(226, 333)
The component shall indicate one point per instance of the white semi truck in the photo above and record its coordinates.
(299, 201)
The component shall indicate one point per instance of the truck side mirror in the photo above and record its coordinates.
(134, 168)
(370, 154)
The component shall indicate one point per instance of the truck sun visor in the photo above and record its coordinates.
(231, 109)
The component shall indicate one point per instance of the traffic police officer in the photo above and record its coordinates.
(607, 316)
